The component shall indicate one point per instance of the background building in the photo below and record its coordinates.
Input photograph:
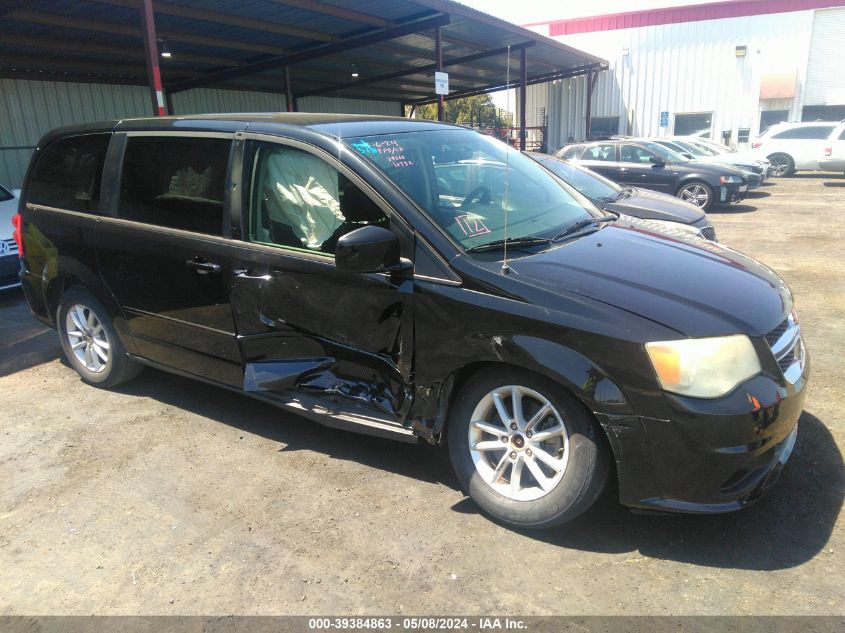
(726, 70)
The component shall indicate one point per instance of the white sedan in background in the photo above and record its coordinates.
(9, 262)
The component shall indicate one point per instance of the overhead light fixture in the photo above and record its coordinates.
(354, 71)
(165, 50)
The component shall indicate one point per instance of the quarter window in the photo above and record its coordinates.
(5, 194)
(67, 174)
(600, 152)
(299, 201)
(175, 182)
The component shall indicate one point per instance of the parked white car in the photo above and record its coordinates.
(834, 152)
(795, 147)
(9, 263)
(729, 152)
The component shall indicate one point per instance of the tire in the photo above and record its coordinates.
(99, 358)
(581, 462)
(698, 193)
(782, 165)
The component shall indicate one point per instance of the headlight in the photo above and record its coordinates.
(704, 367)
(728, 180)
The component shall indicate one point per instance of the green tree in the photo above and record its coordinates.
(477, 111)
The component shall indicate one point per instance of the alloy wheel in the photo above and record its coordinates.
(695, 194)
(519, 443)
(780, 165)
(87, 338)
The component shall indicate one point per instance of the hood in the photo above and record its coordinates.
(716, 168)
(652, 205)
(694, 286)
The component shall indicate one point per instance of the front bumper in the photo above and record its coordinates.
(711, 456)
(9, 267)
(732, 193)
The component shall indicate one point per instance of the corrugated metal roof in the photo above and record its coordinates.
(100, 40)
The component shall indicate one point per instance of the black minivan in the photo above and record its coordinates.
(312, 261)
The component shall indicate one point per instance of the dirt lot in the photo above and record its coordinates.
(172, 497)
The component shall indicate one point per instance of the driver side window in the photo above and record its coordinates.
(635, 154)
(298, 201)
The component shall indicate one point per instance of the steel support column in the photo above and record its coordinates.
(151, 56)
(589, 122)
(523, 83)
(290, 100)
(438, 55)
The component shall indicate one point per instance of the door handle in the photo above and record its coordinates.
(243, 273)
(203, 267)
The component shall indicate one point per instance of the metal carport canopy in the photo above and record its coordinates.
(315, 45)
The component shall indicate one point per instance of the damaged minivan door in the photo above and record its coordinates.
(329, 339)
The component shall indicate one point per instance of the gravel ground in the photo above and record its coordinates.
(169, 496)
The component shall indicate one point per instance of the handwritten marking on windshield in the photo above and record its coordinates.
(471, 225)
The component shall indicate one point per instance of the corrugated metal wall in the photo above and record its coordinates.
(825, 79)
(679, 68)
(28, 109)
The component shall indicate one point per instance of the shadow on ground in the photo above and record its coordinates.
(788, 527)
(24, 342)
(732, 208)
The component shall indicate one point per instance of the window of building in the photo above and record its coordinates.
(604, 126)
(768, 118)
(297, 200)
(823, 113)
(694, 124)
(808, 132)
(605, 152)
(68, 172)
(176, 182)
(742, 134)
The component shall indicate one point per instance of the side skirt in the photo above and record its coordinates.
(315, 409)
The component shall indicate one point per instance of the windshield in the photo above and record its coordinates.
(460, 179)
(664, 152)
(695, 150)
(592, 185)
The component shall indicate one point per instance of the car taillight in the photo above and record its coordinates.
(828, 151)
(18, 233)
(756, 145)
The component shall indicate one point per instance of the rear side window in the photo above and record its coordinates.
(5, 195)
(175, 182)
(811, 132)
(600, 152)
(842, 136)
(573, 152)
(68, 171)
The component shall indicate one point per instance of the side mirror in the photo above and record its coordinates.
(657, 161)
(370, 249)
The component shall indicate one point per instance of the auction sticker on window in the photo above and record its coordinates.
(472, 225)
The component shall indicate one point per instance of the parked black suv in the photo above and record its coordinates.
(312, 261)
(652, 166)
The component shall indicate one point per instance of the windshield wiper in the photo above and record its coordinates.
(581, 224)
(526, 240)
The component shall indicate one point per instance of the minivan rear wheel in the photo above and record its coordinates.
(782, 165)
(90, 342)
(524, 450)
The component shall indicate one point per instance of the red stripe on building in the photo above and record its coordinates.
(678, 15)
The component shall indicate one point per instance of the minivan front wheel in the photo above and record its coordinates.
(525, 451)
(90, 342)
(698, 193)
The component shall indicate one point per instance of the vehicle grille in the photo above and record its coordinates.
(708, 232)
(788, 348)
(773, 336)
